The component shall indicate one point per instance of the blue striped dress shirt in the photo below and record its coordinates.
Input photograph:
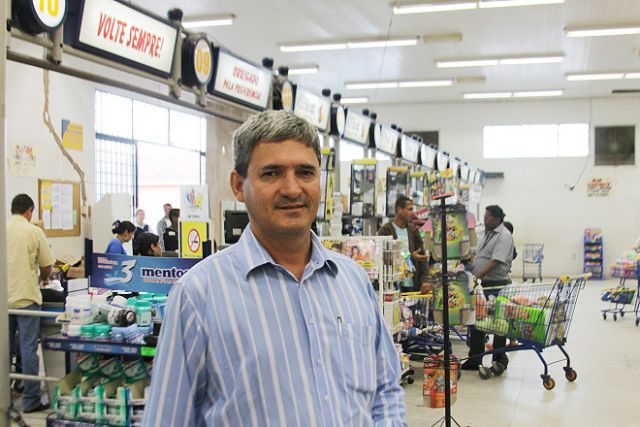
(243, 343)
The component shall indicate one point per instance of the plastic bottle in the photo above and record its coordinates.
(143, 313)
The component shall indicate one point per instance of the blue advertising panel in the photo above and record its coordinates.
(138, 273)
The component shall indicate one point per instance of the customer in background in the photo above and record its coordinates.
(170, 236)
(124, 231)
(141, 227)
(164, 223)
(300, 321)
(491, 266)
(401, 229)
(147, 244)
(29, 264)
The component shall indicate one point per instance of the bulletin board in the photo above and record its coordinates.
(59, 207)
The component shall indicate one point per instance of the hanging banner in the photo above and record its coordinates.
(22, 160)
(409, 149)
(194, 202)
(357, 127)
(240, 81)
(123, 33)
(313, 108)
(192, 234)
(137, 273)
(599, 187)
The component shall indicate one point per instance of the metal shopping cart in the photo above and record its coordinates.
(532, 257)
(536, 315)
(621, 296)
(421, 336)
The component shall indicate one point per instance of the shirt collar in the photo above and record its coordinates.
(252, 255)
(19, 218)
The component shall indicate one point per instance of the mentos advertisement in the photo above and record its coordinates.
(137, 273)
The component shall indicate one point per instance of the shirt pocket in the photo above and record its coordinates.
(359, 357)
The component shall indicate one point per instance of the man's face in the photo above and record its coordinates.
(281, 189)
(490, 222)
(29, 214)
(140, 217)
(405, 213)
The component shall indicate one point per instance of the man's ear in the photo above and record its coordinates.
(236, 182)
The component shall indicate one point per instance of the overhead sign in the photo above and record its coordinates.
(192, 234)
(357, 127)
(126, 34)
(194, 202)
(409, 148)
(337, 120)
(313, 108)
(388, 141)
(137, 273)
(287, 96)
(38, 16)
(240, 81)
(442, 160)
(197, 61)
(428, 156)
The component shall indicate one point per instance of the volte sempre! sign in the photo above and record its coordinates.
(117, 29)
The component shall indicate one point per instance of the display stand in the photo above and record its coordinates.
(446, 420)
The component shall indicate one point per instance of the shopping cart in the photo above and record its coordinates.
(622, 296)
(536, 315)
(421, 336)
(532, 257)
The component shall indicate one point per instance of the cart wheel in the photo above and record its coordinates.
(615, 317)
(570, 374)
(621, 313)
(497, 369)
(549, 383)
(637, 322)
(484, 373)
(604, 316)
(410, 380)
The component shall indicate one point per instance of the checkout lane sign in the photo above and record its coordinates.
(37, 16)
(50, 12)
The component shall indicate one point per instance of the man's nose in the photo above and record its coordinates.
(290, 186)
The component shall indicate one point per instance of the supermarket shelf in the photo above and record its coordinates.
(53, 422)
(58, 342)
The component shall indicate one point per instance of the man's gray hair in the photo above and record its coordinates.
(270, 126)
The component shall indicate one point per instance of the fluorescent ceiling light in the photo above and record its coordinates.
(303, 69)
(602, 31)
(426, 7)
(537, 93)
(594, 76)
(382, 43)
(425, 83)
(488, 4)
(487, 95)
(466, 63)
(532, 60)
(372, 85)
(635, 75)
(312, 47)
(486, 62)
(207, 21)
(358, 100)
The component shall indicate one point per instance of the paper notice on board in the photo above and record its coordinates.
(46, 219)
(56, 206)
(67, 207)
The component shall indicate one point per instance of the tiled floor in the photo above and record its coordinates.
(605, 354)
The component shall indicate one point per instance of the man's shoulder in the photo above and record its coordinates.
(206, 271)
(386, 229)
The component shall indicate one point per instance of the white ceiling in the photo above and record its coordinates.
(261, 25)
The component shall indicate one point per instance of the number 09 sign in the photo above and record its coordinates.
(39, 16)
(197, 61)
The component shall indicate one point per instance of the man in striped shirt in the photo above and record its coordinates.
(276, 330)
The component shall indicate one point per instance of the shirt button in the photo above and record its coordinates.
(326, 398)
(311, 321)
(319, 362)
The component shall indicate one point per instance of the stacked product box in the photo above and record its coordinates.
(101, 391)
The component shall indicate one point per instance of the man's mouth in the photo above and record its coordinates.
(292, 206)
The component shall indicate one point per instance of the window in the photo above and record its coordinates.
(530, 141)
(147, 151)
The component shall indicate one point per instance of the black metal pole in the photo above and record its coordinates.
(445, 315)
